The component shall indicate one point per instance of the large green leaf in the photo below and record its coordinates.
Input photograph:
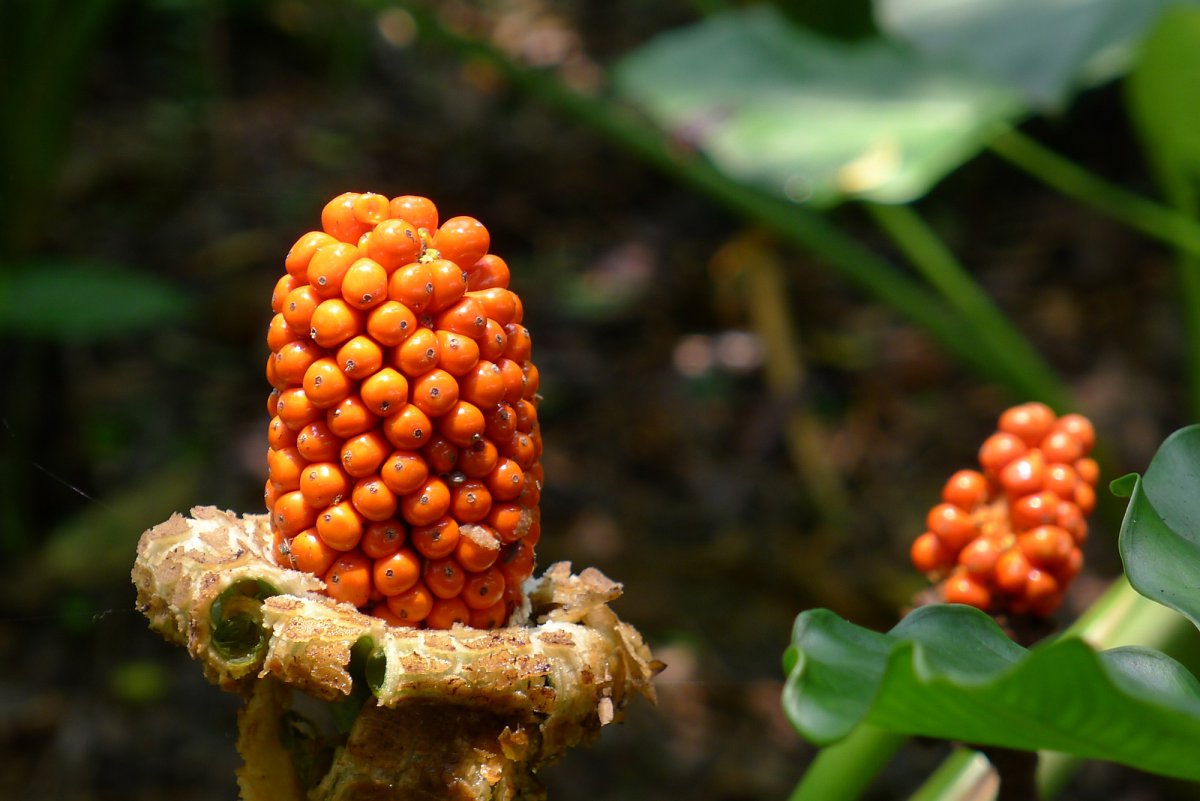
(950, 672)
(809, 118)
(1164, 100)
(1048, 49)
(1160, 536)
(85, 301)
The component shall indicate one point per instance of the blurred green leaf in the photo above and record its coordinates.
(1047, 49)
(950, 672)
(1164, 100)
(139, 681)
(1160, 536)
(812, 119)
(86, 301)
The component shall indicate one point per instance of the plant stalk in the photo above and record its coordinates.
(844, 770)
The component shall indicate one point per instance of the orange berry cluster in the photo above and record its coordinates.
(403, 465)
(1008, 538)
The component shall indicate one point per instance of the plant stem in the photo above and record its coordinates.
(963, 776)
(794, 223)
(930, 256)
(844, 770)
(1145, 216)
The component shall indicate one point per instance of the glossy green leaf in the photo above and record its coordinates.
(950, 672)
(1160, 536)
(1164, 98)
(812, 119)
(85, 301)
(1047, 49)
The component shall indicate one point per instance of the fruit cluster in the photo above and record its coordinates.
(403, 465)
(1008, 539)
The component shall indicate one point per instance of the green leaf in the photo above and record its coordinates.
(1160, 536)
(1047, 49)
(812, 119)
(86, 301)
(950, 672)
(1163, 102)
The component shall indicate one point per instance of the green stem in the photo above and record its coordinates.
(796, 224)
(844, 770)
(1151, 219)
(929, 255)
(965, 774)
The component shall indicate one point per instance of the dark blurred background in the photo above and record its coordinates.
(734, 445)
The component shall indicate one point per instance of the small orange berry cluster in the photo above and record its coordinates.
(1008, 539)
(403, 466)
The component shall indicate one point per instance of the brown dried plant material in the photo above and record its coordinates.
(463, 713)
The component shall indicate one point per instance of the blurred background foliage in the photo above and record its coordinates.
(784, 263)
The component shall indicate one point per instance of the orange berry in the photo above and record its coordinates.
(1046, 546)
(457, 355)
(489, 271)
(413, 606)
(510, 521)
(1012, 571)
(283, 286)
(404, 472)
(469, 503)
(1085, 498)
(535, 528)
(483, 385)
(382, 538)
(437, 539)
(1067, 572)
(398, 572)
(435, 392)
(999, 449)
(951, 524)
(373, 499)
(360, 357)
(419, 354)
(350, 417)
(449, 284)
(493, 342)
(519, 343)
(323, 484)
(462, 240)
(412, 285)
(479, 459)
(415, 210)
(292, 514)
(478, 548)
(492, 617)
(1024, 475)
(531, 492)
(522, 450)
(394, 243)
(408, 429)
(283, 468)
(514, 379)
(371, 208)
(501, 423)
(1088, 470)
(483, 590)
(1079, 427)
(1061, 480)
(310, 553)
(506, 480)
(1070, 517)
(325, 383)
(298, 308)
(339, 220)
(381, 611)
(364, 285)
(340, 526)
(1061, 446)
(516, 562)
(391, 322)
(441, 454)
(273, 378)
(499, 304)
(328, 268)
(279, 435)
(384, 392)
(362, 455)
(1029, 421)
(279, 333)
(532, 381)
(463, 424)
(273, 402)
(302, 252)
(424, 506)
(294, 359)
(961, 588)
(929, 555)
(464, 317)
(979, 557)
(334, 322)
(349, 579)
(1042, 592)
(444, 577)
(527, 417)
(1033, 510)
(295, 409)
(447, 612)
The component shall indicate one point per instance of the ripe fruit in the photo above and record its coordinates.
(404, 440)
(1003, 540)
